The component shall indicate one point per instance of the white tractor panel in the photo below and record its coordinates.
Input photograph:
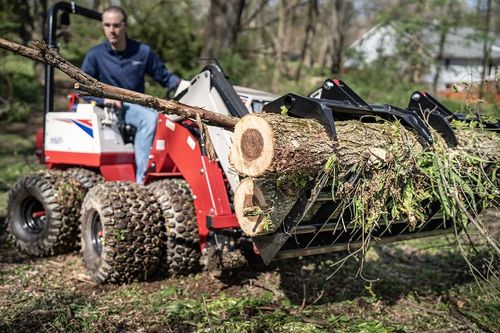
(221, 138)
(83, 132)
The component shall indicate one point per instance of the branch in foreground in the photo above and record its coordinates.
(96, 88)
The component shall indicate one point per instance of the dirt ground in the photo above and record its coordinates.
(414, 286)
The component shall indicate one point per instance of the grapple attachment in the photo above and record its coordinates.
(336, 101)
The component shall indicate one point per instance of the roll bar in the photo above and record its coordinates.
(59, 13)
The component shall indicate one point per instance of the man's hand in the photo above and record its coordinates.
(113, 103)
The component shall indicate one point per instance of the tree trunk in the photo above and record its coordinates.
(278, 46)
(443, 34)
(266, 145)
(486, 48)
(222, 28)
(309, 35)
(39, 14)
(341, 19)
(439, 60)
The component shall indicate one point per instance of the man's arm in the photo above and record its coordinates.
(157, 70)
(90, 67)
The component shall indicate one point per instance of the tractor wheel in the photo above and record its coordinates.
(120, 232)
(86, 178)
(39, 215)
(181, 243)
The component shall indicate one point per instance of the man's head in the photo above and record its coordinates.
(114, 24)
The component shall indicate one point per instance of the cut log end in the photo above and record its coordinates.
(252, 210)
(254, 142)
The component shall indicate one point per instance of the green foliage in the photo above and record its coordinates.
(406, 181)
(459, 182)
(172, 29)
(20, 93)
(76, 39)
(13, 19)
(227, 314)
(16, 112)
(382, 83)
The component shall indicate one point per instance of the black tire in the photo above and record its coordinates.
(41, 216)
(181, 243)
(120, 232)
(86, 178)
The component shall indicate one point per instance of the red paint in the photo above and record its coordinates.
(38, 214)
(116, 172)
(87, 122)
(178, 156)
(39, 145)
(88, 159)
(224, 221)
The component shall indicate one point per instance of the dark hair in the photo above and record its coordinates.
(116, 9)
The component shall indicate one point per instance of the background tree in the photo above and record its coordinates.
(486, 29)
(223, 24)
(342, 16)
(312, 14)
(170, 28)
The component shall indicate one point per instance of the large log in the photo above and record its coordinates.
(273, 144)
(382, 167)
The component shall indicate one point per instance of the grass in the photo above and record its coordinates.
(17, 158)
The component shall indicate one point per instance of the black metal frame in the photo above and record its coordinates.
(340, 102)
(226, 91)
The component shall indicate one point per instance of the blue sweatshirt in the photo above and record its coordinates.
(127, 69)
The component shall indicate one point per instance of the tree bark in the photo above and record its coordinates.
(266, 145)
(443, 34)
(341, 20)
(309, 35)
(486, 48)
(96, 88)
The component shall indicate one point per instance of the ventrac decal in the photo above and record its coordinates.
(84, 124)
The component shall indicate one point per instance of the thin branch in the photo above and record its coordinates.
(99, 89)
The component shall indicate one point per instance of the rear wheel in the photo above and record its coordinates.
(86, 178)
(181, 243)
(120, 232)
(39, 215)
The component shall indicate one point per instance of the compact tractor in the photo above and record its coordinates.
(183, 217)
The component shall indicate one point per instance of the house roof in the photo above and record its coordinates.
(462, 43)
(467, 42)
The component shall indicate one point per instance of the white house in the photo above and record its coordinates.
(462, 54)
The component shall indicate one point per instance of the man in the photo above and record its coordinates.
(123, 62)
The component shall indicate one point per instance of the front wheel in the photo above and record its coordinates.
(120, 236)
